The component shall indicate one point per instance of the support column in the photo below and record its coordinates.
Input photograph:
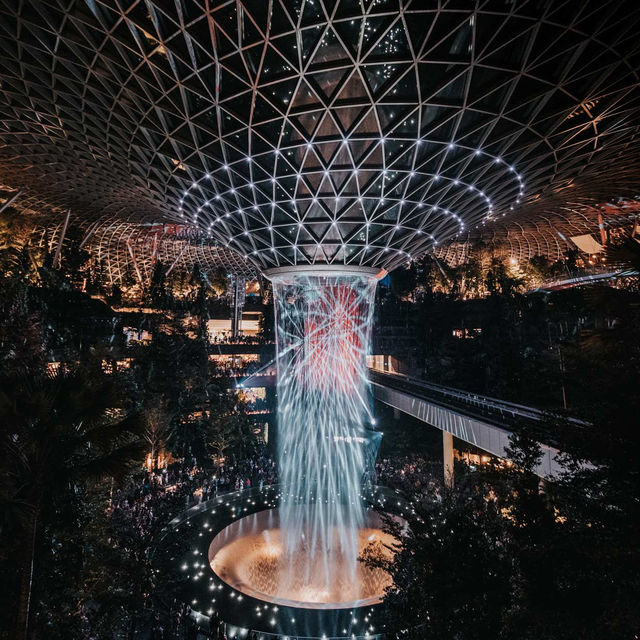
(58, 255)
(10, 201)
(447, 456)
(154, 253)
(133, 259)
(92, 229)
(175, 262)
(603, 234)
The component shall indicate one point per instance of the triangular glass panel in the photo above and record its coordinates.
(348, 116)
(328, 128)
(328, 82)
(353, 88)
(309, 121)
(329, 50)
(393, 42)
(305, 95)
(349, 33)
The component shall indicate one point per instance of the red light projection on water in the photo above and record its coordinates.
(323, 327)
(332, 341)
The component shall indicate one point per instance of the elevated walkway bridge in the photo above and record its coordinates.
(604, 277)
(482, 421)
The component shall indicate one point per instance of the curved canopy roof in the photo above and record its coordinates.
(320, 131)
(121, 247)
(546, 234)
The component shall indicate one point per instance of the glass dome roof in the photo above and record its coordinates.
(360, 132)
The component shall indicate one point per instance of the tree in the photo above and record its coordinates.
(16, 256)
(175, 368)
(116, 296)
(74, 262)
(22, 334)
(57, 431)
(230, 430)
(267, 318)
(157, 429)
(498, 280)
(451, 570)
(219, 281)
(497, 557)
(404, 280)
(158, 285)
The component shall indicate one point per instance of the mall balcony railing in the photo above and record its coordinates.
(495, 410)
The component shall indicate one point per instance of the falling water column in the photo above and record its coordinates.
(323, 329)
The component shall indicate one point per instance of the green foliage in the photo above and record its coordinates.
(218, 280)
(267, 321)
(229, 430)
(452, 572)
(404, 280)
(18, 260)
(175, 368)
(501, 556)
(158, 287)
(485, 272)
(62, 433)
(158, 428)
(58, 433)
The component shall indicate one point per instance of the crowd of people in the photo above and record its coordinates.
(228, 338)
(146, 504)
(242, 369)
(142, 508)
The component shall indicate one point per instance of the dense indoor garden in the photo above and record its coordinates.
(319, 320)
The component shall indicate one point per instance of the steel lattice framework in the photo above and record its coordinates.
(356, 132)
(124, 247)
(547, 234)
(129, 247)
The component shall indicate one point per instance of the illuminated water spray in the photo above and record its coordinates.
(323, 325)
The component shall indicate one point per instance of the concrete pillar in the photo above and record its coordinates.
(447, 456)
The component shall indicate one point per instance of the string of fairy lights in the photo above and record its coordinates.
(209, 595)
(313, 132)
(273, 218)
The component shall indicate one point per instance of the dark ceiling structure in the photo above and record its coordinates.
(294, 132)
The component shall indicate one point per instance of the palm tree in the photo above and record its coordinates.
(57, 431)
